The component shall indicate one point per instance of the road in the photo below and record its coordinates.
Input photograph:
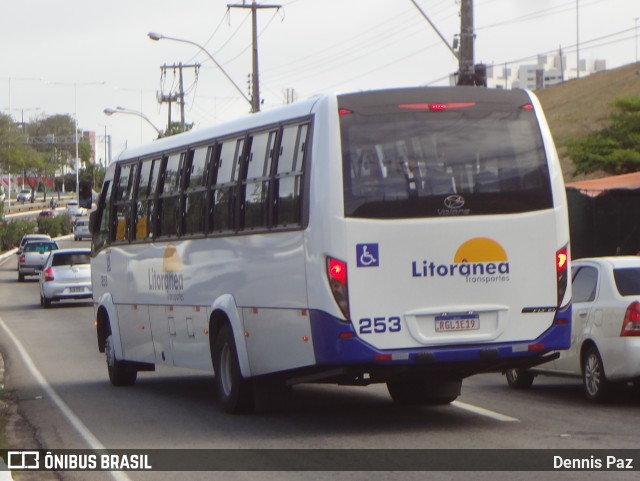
(59, 380)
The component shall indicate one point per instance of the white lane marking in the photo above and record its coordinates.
(74, 420)
(484, 412)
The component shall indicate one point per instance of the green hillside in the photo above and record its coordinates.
(577, 107)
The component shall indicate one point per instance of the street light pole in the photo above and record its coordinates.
(157, 36)
(124, 110)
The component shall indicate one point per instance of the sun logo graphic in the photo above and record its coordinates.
(479, 261)
(170, 280)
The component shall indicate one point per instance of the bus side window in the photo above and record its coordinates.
(195, 186)
(289, 175)
(144, 198)
(101, 237)
(169, 198)
(257, 184)
(122, 203)
(223, 196)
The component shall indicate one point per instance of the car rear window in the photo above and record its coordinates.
(431, 153)
(627, 281)
(40, 247)
(70, 259)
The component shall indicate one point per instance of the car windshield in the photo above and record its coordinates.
(627, 281)
(70, 259)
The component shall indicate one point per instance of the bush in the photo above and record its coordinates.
(55, 226)
(11, 232)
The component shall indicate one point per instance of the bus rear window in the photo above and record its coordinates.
(414, 158)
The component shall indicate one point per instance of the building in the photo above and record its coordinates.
(548, 70)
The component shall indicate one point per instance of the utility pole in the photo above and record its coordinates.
(466, 73)
(179, 96)
(255, 91)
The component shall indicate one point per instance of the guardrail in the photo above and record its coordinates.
(37, 205)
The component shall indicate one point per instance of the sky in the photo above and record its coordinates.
(79, 57)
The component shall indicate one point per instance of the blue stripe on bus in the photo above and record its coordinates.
(333, 349)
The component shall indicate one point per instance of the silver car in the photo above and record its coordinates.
(66, 275)
(33, 257)
(81, 229)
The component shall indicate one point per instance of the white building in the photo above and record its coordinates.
(549, 70)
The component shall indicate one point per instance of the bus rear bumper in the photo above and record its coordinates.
(336, 343)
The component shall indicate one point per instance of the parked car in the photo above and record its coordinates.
(74, 210)
(81, 229)
(47, 213)
(605, 329)
(24, 196)
(33, 257)
(66, 275)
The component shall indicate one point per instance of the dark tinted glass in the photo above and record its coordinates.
(406, 155)
(627, 281)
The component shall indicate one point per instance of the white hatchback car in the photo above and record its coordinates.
(605, 328)
(66, 275)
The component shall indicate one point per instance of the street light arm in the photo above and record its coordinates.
(158, 36)
(123, 110)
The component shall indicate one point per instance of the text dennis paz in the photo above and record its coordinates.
(593, 462)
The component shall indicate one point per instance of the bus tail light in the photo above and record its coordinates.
(562, 272)
(337, 273)
(48, 274)
(631, 323)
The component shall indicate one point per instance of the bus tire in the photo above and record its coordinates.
(519, 378)
(423, 391)
(596, 385)
(120, 372)
(235, 393)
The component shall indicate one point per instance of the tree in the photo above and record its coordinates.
(614, 149)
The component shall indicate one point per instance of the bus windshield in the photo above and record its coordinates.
(417, 159)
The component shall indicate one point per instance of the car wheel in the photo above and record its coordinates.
(235, 393)
(20, 277)
(595, 384)
(519, 378)
(120, 372)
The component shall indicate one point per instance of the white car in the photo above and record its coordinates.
(66, 275)
(605, 328)
(24, 196)
(74, 209)
(81, 229)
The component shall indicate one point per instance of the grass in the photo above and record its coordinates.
(580, 106)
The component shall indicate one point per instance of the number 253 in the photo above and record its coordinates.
(379, 325)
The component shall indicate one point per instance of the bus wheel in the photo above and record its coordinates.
(120, 373)
(596, 386)
(235, 393)
(519, 378)
(423, 391)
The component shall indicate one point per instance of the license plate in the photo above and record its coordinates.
(457, 322)
(76, 289)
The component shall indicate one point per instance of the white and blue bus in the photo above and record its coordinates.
(412, 237)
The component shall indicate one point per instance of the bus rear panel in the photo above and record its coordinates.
(451, 254)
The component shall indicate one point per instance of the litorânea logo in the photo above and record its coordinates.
(478, 261)
(170, 279)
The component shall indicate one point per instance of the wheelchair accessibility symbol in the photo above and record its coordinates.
(367, 255)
